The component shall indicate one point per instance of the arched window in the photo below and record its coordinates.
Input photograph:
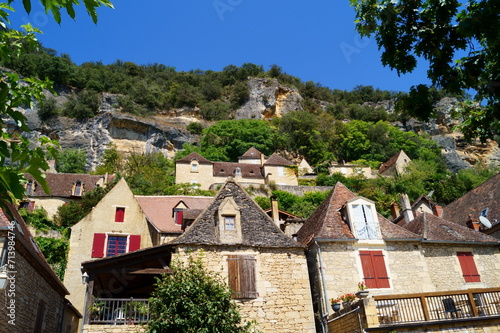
(77, 189)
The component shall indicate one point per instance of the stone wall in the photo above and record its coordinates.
(284, 298)
(50, 204)
(30, 288)
(300, 190)
(113, 329)
(203, 175)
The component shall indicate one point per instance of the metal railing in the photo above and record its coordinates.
(449, 305)
(119, 311)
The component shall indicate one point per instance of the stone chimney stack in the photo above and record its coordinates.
(406, 207)
(437, 210)
(262, 159)
(473, 224)
(274, 210)
(394, 210)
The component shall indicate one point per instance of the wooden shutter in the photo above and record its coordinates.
(134, 243)
(241, 274)
(374, 271)
(98, 245)
(178, 217)
(468, 265)
(120, 214)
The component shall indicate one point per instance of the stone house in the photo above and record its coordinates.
(479, 208)
(350, 170)
(266, 269)
(33, 298)
(426, 257)
(252, 168)
(64, 187)
(395, 165)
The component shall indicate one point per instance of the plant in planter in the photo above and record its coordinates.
(96, 309)
(362, 292)
(335, 303)
(347, 299)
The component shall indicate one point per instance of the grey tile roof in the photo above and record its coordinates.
(258, 230)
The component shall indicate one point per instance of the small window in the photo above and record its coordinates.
(194, 167)
(281, 171)
(30, 188)
(229, 223)
(178, 215)
(237, 172)
(374, 271)
(77, 189)
(116, 245)
(120, 214)
(241, 275)
(469, 270)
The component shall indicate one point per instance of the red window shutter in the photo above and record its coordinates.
(178, 217)
(120, 214)
(468, 265)
(98, 245)
(380, 271)
(368, 271)
(135, 243)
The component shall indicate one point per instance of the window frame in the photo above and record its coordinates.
(114, 240)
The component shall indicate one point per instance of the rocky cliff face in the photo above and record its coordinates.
(166, 132)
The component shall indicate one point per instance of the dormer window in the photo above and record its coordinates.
(77, 190)
(178, 215)
(363, 220)
(229, 223)
(237, 172)
(30, 187)
(194, 166)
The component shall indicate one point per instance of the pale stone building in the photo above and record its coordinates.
(396, 165)
(64, 188)
(349, 242)
(351, 170)
(33, 298)
(266, 269)
(253, 168)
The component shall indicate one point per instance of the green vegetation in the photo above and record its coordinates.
(193, 299)
(455, 38)
(71, 161)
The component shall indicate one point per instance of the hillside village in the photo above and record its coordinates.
(424, 267)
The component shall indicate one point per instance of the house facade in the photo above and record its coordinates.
(253, 168)
(64, 188)
(266, 270)
(349, 242)
(395, 165)
(33, 298)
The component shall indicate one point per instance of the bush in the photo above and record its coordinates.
(194, 128)
(48, 109)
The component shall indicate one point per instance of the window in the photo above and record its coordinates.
(484, 212)
(281, 171)
(237, 172)
(194, 167)
(116, 245)
(364, 222)
(30, 187)
(229, 223)
(178, 215)
(120, 214)
(468, 265)
(40, 314)
(241, 275)
(374, 271)
(77, 189)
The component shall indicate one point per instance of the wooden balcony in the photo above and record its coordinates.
(437, 306)
(119, 311)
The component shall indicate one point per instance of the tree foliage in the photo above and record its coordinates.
(72, 161)
(193, 299)
(459, 41)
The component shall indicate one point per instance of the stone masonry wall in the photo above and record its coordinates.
(284, 303)
(113, 329)
(30, 288)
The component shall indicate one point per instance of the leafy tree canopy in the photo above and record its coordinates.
(459, 39)
(72, 161)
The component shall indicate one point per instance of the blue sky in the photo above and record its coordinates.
(312, 40)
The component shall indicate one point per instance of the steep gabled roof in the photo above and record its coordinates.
(257, 228)
(61, 184)
(159, 209)
(227, 169)
(194, 156)
(251, 153)
(433, 228)
(326, 222)
(486, 195)
(392, 161)
(275, 159)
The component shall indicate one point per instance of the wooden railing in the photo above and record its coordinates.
(119, 311)
(449, 305)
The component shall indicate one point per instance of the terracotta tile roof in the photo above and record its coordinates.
(326, 222)
(159, 209)
(486, 195)
(194, 156)
(275, 159)
(227, 169)
(252, 153)
(384, 166)
(257, 228)
(430, 227)
(61, 184)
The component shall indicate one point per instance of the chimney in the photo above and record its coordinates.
(262, 161)
(274, 210)
(406, 207)
(473, 223)
(394, 210)
(437, 210)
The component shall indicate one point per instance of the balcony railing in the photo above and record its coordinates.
(119, 311)
(450, 305)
